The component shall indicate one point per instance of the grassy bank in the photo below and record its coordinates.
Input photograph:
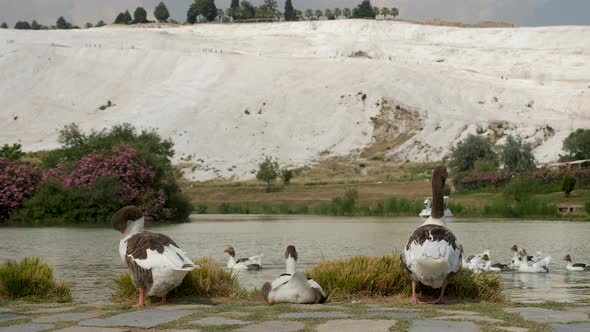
(31, 280)
(210, 280)
(363, 276)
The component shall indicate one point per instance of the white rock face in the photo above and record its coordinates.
(230, 94)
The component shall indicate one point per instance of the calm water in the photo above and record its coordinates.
(87, 257)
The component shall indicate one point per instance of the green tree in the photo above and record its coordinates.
(467, 152)
(568, 184)
(88, 25)
(517, 155)
(11, 152)
(267, 172)
(22, 25)
(337, 12)
(394, 12)
(120, 19)
(587, 206)
(161, 12)
(521, 188)
(127, 19)
(62, 24)
(376, 10)
(364, 10)
(4, 25)
(35, 25)
(299, 14)
(309, 14)
(100, 24)
(286, 175)
(290, 14)
(267, 10)
(328, 14)
(485, 166)
(140, 15)
(385, 12)
(318, 14)
(205, 8)
(577, 145)
(347, 12)
(248, 11)
(234, 9)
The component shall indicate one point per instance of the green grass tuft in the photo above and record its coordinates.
(31, 280)
(383, 276)
(210, 280)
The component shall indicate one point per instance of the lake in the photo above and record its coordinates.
(87, 258)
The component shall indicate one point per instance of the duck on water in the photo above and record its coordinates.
(433, 253)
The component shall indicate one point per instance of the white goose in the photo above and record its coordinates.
(433, 253)
(575, 267)
(538, 263)
(293, 286)
(156, 263)
(250, 263)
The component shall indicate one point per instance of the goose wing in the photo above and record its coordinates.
(150, 250)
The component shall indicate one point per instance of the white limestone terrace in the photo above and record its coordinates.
(229, 94)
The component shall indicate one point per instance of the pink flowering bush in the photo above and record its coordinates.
(18, 182)
(138, 183)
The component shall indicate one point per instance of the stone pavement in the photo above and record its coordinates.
(255, 317)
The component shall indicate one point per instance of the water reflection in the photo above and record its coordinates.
(87, 257)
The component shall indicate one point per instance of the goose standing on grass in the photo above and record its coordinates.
(575, 267)
(156, 263)
(538, 263)
(253, 263)
(433, 253)
(293, 286)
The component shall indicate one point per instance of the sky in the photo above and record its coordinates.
(518, 12)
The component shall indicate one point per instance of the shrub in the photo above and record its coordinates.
(141, 163)
(383, 276)
(210, 280)
(287, 175)
(11, 152)
(587, 206)
(161, 12)
(31, 280)
(517, 155)
(363, 10)
(568, 184)
(467, 152)
(18, 182)
(485, 166)
(521, 188)
(140, 15)
(58, 204)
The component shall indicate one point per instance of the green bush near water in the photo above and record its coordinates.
(383, 276)
(210, 280)
(31, 280)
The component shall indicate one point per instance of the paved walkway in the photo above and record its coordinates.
(257, 317)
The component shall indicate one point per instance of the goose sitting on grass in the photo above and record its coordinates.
(293, 286)
(575, 267)
(433, 253)
(156, 263)
(253, 263)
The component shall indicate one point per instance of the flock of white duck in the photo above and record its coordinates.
(431, 255)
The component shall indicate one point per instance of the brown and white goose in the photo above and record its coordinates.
(156, 263)
(433, 253)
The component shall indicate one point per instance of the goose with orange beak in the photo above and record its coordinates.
(433, 253)
(156, 263)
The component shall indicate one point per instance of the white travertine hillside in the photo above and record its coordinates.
(229, 94)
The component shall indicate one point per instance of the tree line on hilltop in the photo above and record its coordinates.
(207, 11)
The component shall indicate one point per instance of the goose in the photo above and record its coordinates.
(538, 263)
(575, 267)
(293, 286)
(516, 258)
(250, 263)
(433, 253)
(155, 261)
